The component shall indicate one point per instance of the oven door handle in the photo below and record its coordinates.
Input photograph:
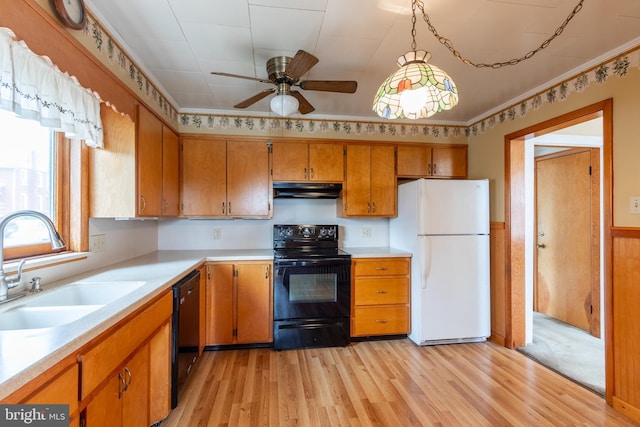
(311, 262)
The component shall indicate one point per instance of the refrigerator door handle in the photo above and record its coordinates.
(423, 248)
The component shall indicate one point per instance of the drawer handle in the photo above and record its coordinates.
(381, 292)
(381, 268)
(382, 321)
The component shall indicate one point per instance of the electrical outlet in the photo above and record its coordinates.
(366, 232)
(217, 233)
(97, 242)
(634, 205)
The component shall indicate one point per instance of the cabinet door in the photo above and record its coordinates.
(383, 181)
(135, 399)
(149, 163)
(358, 181)
(449, 162)
(326, 162)
(414, 161)
(105, 409)
(249, 190)
(160, 373)
(290, 161)
(170, 173)
(254, 298)
(219, 304)
(204, 178)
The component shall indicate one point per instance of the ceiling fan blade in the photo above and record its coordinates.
(344, 86)
(304, 107)
(217, 73)
(255, 98)
(300, 64)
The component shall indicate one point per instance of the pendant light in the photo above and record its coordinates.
(418, 89)
(284, 104)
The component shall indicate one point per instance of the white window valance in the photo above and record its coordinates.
(34, 88)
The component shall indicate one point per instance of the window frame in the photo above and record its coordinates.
(70, 201)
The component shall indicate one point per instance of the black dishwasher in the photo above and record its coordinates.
(185, 331)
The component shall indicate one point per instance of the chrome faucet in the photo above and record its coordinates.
(56, 243)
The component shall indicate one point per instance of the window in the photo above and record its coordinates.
(32, 172)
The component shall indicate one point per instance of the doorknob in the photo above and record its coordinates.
(541, 246)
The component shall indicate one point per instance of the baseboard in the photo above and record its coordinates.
(626, 409)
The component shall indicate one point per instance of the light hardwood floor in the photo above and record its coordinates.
(384, 383)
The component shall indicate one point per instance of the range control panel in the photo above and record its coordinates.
(305, 232)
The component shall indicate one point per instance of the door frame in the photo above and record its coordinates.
(515, 215)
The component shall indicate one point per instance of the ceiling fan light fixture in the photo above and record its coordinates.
(284, 104)
(417, 90)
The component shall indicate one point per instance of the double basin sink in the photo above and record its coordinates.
(63, 305)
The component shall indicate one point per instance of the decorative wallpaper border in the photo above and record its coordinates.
(109, 52)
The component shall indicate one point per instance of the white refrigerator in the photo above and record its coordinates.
(445, 225)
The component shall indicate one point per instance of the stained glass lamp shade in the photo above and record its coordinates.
(417, 90)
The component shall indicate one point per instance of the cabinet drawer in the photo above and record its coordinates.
(381, 290)
(98, 362)
(381, 266)
(381, 320)
(61, 390)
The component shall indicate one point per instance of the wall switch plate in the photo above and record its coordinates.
(366, 232)
(634, 206)
(217, 233)
(97, 242)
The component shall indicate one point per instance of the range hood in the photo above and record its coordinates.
(306, 190)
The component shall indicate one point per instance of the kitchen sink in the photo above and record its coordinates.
(83, 293)
(25, 317)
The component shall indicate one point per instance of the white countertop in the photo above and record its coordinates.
(26, 354)
(376, 252)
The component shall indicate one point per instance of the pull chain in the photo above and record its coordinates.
(446, 42)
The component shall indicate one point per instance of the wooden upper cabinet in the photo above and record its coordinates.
(136, 174)
(223, 178)
(149, 163)
(170, 173)
(370, 186)
(204, 177)
(300, 161)
(432, 161)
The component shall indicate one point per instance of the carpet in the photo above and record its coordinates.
(569, 351)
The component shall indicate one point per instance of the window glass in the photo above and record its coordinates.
(26, 178)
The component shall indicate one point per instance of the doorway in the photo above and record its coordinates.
(520, 228)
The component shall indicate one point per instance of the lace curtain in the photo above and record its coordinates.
(34, 88)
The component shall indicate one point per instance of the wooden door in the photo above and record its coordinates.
(449, 162)
(170, 173)
(149, 163)
(219, 304)
(358, 181)
(135, 400)
(290, 161)
(414, 161)
(565, 270)
(254, 316)
(384, 189)
(326, 162)
(204, 177)
(249, 190)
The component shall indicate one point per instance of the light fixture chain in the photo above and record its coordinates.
(446, 42)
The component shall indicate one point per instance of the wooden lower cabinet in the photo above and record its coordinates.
(380, 289)
(239, 307)
(125, 374)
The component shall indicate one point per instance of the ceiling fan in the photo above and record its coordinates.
(285, 72)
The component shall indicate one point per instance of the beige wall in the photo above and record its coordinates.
(486, 150)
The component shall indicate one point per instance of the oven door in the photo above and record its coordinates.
(312, 288)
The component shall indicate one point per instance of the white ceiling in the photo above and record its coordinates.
(179, 42)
